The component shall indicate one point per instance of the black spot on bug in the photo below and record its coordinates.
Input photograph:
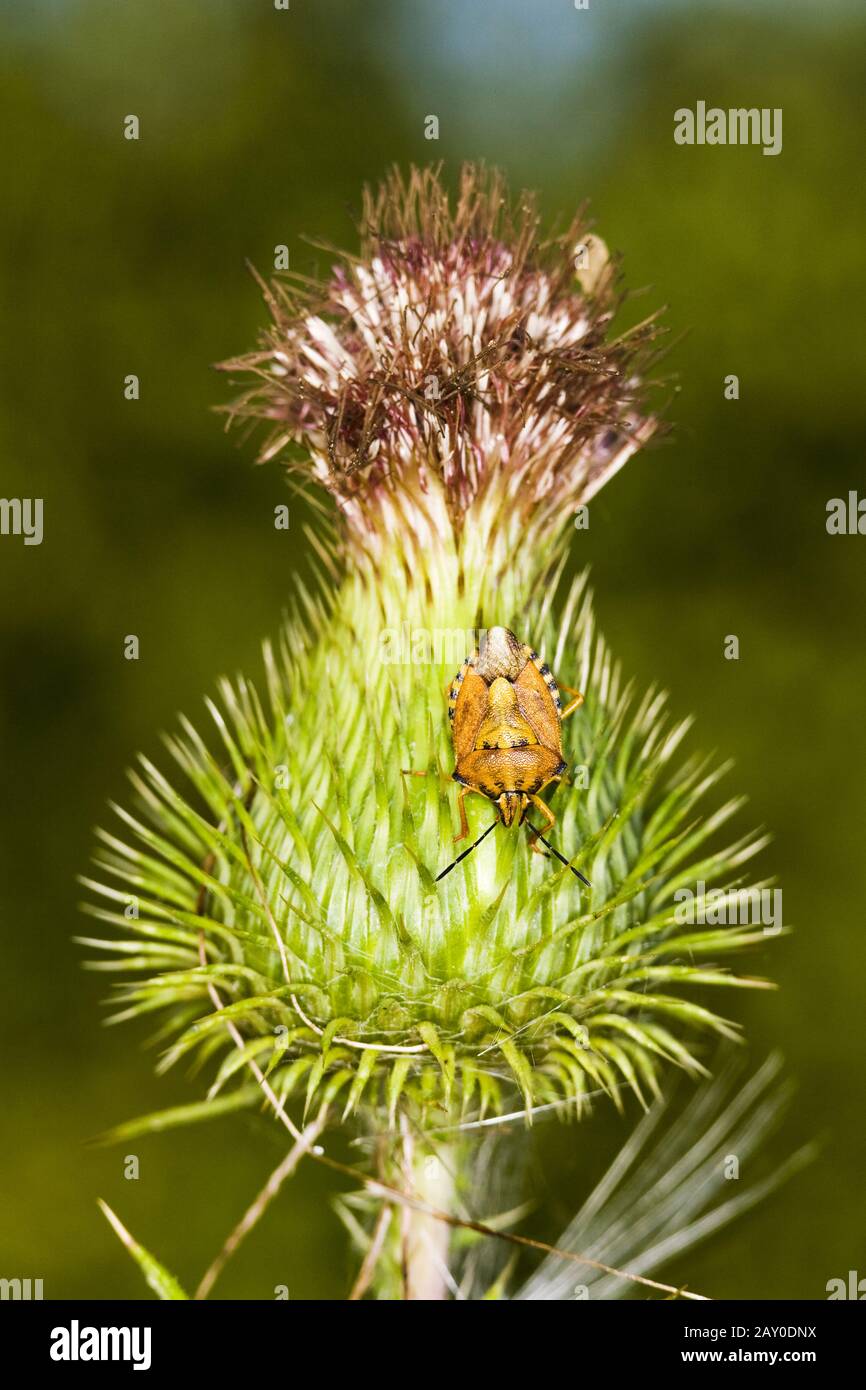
(545, 670)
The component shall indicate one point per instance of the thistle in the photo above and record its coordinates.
(457, 390)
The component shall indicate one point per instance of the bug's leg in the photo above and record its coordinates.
(557, 777)
(573, 704)
(549, 817)
(464, 823)
(546, 812)
(425, 772)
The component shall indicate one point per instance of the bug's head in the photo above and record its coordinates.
(500, 654)
(508, 805)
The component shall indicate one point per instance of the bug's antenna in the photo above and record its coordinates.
(490, 827)
(560, 857)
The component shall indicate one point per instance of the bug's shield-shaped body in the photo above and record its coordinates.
(504, 708)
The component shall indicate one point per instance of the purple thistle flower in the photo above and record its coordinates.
(459, 351)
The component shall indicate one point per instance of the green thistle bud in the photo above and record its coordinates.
(458, 391)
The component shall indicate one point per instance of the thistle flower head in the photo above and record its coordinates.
(288, 913)
(459, 357)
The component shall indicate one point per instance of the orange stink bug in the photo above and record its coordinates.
(506, 722)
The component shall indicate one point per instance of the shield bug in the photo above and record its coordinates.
(506, 723)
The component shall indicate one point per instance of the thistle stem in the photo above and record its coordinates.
(429, 1176)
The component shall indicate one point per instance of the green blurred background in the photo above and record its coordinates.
(258, 127)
